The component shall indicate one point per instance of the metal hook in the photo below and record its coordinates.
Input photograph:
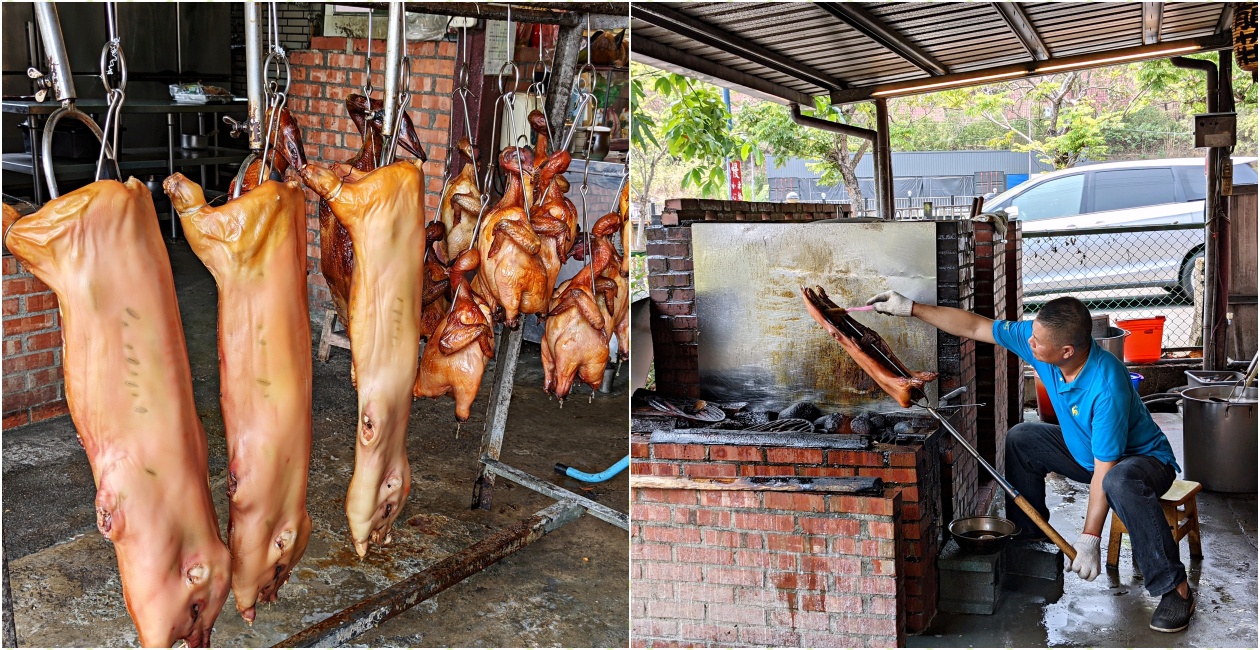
(367, 77)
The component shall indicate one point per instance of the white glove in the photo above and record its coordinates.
(892, 303)
(1087, 562)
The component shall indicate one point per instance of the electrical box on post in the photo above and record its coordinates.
(1215, 129)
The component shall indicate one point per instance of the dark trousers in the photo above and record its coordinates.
(1133, 488)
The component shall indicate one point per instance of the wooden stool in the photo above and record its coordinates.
(1181, 509)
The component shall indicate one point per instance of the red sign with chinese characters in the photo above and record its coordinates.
(737, 181)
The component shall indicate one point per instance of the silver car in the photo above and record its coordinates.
(1116, 195)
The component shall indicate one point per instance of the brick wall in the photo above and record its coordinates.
(754, 568)
(328, 72)
(956, 359)
(991, 364)
(34, 388)
(297, 22)
(1014, 311)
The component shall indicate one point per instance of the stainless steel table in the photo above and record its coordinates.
(132, 159)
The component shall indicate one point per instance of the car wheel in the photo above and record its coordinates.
(1186, 286)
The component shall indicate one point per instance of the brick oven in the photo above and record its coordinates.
(755, 567)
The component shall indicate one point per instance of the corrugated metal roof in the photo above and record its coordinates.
(927, 163)
(850, 50)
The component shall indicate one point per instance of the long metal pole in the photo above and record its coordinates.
(55, 48)
(883, 162)
(393, 59)
(367, 614)
(254, 76)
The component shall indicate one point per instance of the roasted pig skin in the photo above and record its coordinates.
(255, 246)
(901, 384)
(383, 212)
(129, 390)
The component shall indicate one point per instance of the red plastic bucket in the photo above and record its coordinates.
(1045, 410)
(1146, 339)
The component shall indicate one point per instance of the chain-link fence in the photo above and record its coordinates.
(1129, 273)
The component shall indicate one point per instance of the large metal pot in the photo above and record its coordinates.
(1113, 342)
(1220, 438)
(982, 534)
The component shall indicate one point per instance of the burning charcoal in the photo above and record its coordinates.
(861, 425)
(747, 419)
(878, 421)
(801, 410)
(903, 427)
(833, 423)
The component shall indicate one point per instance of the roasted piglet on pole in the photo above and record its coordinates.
(867, 348)
(512, 276)
(383, 212)
(336, 261)
(454, 358)
(255, 246)
(436, 283)
(575, 341)
(129, 389)
(286, 149)
(460, 206)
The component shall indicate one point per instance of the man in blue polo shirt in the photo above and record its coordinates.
(1105, 437)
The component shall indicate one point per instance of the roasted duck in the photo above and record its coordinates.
(255, 246)
(384, 214)
(336, 261)
(436, 282)
(575, 341)
(286, 150)
(866, 347)
(538, 124)
(129, 389)
(455, 358)
(512, 276)
(460, 205)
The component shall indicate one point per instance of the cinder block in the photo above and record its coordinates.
(1040, 560)
(970, 583)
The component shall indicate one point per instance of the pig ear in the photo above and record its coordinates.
(324, 182)
(186, 196)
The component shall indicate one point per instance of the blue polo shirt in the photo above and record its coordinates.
(1100, 413)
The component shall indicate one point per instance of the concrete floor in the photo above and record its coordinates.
(1114, 610)
(568, 589)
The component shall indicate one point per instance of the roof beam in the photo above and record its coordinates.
(1023, 29)
(1152, 21)
(1033, 69)
(1226, 23)
(873, 28)
(676, 61)
(690, 28)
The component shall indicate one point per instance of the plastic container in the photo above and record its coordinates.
(1136, 379)
(1146, 339)
(1045, 410)
(1220, 438)
(1197, 378)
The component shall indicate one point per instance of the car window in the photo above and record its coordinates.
(1060, 197)
(1119, 189)
(1196, 180)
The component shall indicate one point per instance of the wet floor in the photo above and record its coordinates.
(568, 589)
(1114, 610)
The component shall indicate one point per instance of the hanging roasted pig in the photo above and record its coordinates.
(255, 246)
(512, 277)
(454, 359)
(129, 390)
(336, 261)
(460, 205)
(436, 282)
(867, 348)
(383, 212)
(575, 341)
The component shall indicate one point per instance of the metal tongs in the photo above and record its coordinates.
(1247, 379)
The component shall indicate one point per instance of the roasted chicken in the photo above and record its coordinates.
(512, 277)
(575, 341)
(555, 220)
(130, 395)
(867, 348)
(383, 212)
(255, 246)
(459, 207)
(455, 358)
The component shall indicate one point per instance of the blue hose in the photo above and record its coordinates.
(616, 469)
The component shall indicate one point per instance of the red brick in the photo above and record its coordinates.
(767, 470)
(656, 469)
(642, 551)
(673, 572)
(794, 456)
(45, 377)
(12, 346)
(831, 565)
(12, 306)
(802, 620)
(877, 548)
(639, 450)
(703, 593)
(32, 323)
(861, 505)
(776, 523)
(737, 614)
(14, 384)
(653, 627)
(311, 57)
(704, 555)
(11, 265)
(844, 545)
(646, 512)
(830, 526)
(740, 453)
(890, 475)
(884, 585)
(769, 636)
(723, 538)
(28, 398)
(710, 518)
(901, 458)
(50, 410)
(761, 559)
(880, 605)
(738, 577)
(880, 529)
(730, 499)
(667, 609)
(16, 419)
(27, 362)
(849, 458)
(787, 543)
(678, 452)
(826, 471)
(682, 497)
(798, 580)
(881, 567)
(794, 501)
(710, 469)
(701, 632)
(671, 535)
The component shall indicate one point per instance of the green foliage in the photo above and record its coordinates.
(696, 130)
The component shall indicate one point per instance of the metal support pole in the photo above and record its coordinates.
(37, 137)
(55, 47)
(367, 614)
(883, 162)
(496, 421)
(254, 77)
(393, 60)
(568, 43)
(170, 165)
